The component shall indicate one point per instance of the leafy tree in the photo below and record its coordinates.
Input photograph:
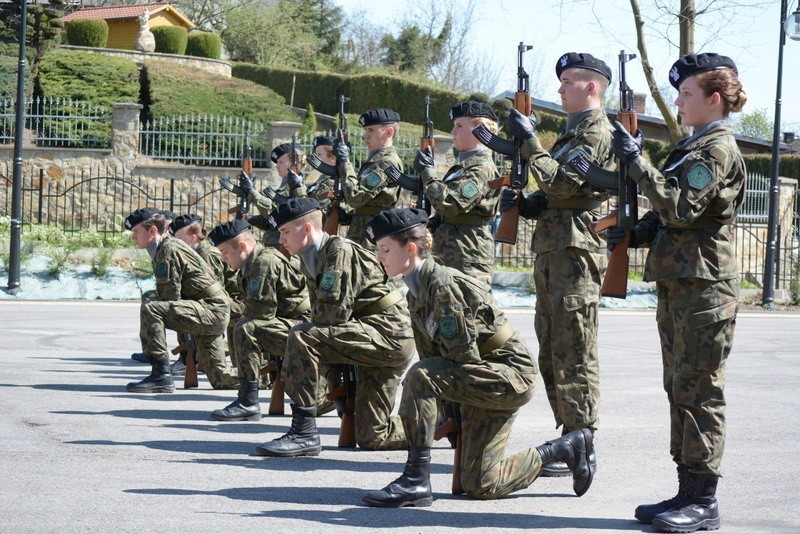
(326, 21)
(413, 51)
(309, 125)
(43, 30)
(756, 124)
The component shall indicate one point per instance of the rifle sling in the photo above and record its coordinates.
(468, 220)
(498, 339)
(211, 291)
(381, 305)
(573, 204)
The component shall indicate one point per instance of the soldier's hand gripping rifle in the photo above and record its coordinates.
(518, 177)
(294, 177)
(426, 145)
(337, 195)
(615, 283)
(243, 207)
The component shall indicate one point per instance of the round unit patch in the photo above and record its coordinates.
(698, 177)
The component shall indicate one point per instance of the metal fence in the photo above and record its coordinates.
(58, 122)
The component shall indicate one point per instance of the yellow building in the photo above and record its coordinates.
(123, 21)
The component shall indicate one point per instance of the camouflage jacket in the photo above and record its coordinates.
(271, 286)
(467, 206)
(558, 228)
(369, 191)
(695, 197)
(182, 274)
(347, 282)
(454, 316)
(265, 205)
(223, 273)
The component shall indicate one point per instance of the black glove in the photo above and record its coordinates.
(341, 151)
(624, 146)
(520, 126)
(616, 235)
(345, 218)
(510, 198)
(245, 183)
(294, 180)
(434, 222)
(423, 160)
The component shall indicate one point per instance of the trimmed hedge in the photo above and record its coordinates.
(367, 91)
(789, 166)
(204, 44)
(170, 39)
(88, 32)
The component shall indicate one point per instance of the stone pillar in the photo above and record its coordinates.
(443, 153)
(639, 102)
(125, 133)
(281, 132)
(787, 190)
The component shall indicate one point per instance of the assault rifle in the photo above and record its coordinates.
(345, 398)
(243, 207)
(426, 144)
(452, 429)
(297, 165)
(337, 195)
(273, 369)
(518, 177)
(188, 351)
(615, 283)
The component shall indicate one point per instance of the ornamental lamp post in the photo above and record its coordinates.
(788, 26)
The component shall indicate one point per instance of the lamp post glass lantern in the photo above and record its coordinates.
(792, 25)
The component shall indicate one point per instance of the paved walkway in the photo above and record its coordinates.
(80, 454)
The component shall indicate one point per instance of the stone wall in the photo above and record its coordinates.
(214, 66)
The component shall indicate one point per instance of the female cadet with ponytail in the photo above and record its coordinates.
(469, 354)
(695, 197)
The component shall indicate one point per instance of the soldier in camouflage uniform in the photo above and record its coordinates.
(695, 197)
(370, 190)
(570, 259)
(291, 186)
(190, 300)
(355, 320)
(463, 202)
(469, 354)
(275, 299)
(189, 229)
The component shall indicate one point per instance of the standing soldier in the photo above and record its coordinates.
(695, 197)
(190, 229)
(463, 202)
(275, 299)
(370, 191)
(288, 164)
(355, 320)
(189, 299)
(469, 354)
(570, 258)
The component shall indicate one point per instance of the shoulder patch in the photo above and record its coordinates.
(448, 326)
(162, 269)
(373, 180)
(254, 284)
(698, 177)
(327, 281)
(469, 190)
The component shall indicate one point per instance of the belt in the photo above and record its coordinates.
(497, 340)
(573, 204)
(369, 211)
(470, 220)
(211, 291)
(381, 305)
(300, 309)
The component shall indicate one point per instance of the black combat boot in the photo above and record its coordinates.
(700, 510)
(159, 380)
(245, 407)
(646, 512)
(413, 488)
(301, 440)
(140, 357)
(561, 469)
(575, 449)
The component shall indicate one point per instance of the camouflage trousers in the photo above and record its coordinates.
(206, 320)
(489, 405)
(696, 319)
(481, 271)
(380, 363)
(256, 341)
(567, 292)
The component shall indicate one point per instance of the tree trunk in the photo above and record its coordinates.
(686, 24)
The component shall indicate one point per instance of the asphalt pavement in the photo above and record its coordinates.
(80, 454)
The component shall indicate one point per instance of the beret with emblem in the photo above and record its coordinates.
(139, 216)
(291, 210)
(182, 221)
(575, 60)
(279, 151)
(692, 64)
(228, 230)
(378, 116)
(323, 140)
(472, 108)
(394, 221)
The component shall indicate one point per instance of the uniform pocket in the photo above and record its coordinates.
(710, 336)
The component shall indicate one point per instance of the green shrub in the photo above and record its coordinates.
(789, 166)
(309, 125)
(88, 32)
(204, 44)
(170, 39)
(100, 262)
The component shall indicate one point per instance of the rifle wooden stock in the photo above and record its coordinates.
(507, 227)
(332, 220)
(235, 209)
(497, 183)
(426, 143)
(276, 406)
(190, 375)
(522, 103)
(450, 427)
(629, 120)
(347, 428)
(615, 282)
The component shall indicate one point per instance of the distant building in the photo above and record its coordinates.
(123, 21)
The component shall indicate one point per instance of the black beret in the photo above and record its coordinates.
(183, 221)
(323, 140)
(695, 64)
(472, 108)
(291, 210)
(139, 216)
(394, 221)
(378, 116)
(279, 151)
(227, 230)
(574, 60)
